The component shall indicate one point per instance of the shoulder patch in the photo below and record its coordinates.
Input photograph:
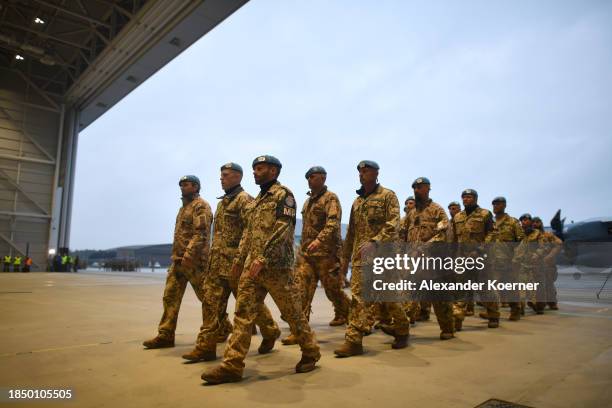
(289, 201)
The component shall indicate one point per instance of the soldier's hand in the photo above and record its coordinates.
(314, 245)
(256, 267)
(366, 250)
(236, 271)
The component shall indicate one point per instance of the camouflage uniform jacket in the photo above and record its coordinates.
(374, 218)
(321, 216)
(472, 228)
(505, 229)
(230, 221)
(427, 223)
(268, 236)
(192, 232)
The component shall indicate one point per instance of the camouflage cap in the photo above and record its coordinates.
(315, 170)
(469, 191)
(368, 163)
(421, 180)
(191, 178)
(499, 199)
(232, 166)
(525, 216)
(454, 203)
(266, 158)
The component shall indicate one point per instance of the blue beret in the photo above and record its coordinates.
(454, 203)
(314, 170)
(191, 178)
(469, 191)
(525, 216)
(499, 199)
(266, 158)
(421, 180)
(232, 166)
(368, 163)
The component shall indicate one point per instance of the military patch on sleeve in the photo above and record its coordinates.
(287, 207)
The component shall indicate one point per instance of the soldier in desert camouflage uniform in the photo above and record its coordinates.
(230, 221)
(427, 223)
(529, 255)
(470, 228)
(549, 263)
(374, 220)
(319, 249)
(265, 264)
(189, 258)
(507, 232)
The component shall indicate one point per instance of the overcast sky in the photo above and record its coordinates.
(510, 98)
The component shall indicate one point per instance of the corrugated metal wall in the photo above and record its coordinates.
(29, 136)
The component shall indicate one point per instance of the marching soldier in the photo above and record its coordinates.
(470, 228)
(374, 220)
(549, 263)
(427, 223)
(230, 220)
(189, 258)
(319, 249)
(506, 234)
(265, 265)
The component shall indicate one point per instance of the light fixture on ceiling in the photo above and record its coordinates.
(39, 20)
(19, 57)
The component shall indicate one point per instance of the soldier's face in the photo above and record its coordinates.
(454, 210)
(499, 208)
(421, 191)
(264, 173)
(188, 188)
(367, 175)
(230, 178)
(537, 224)
(468, 200)
(410, 204)
(526, 223)
(316, 181)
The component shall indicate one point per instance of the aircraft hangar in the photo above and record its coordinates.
(63, 64)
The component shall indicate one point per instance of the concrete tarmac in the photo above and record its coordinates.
(84, 332)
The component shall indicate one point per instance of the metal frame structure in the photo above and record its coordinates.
(63, 63)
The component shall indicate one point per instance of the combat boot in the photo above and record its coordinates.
(159, 342)
(307, 363)
(532, 306)
(553, 306)
(267, 345)
(197, 354)
(483, 315)
(400, 342)
(446, 336)
(515, 315)
(338, 320)
(220, 375)
(387, 329)
(289, 340)
(349, 349)
(423, 316)
(493, 323)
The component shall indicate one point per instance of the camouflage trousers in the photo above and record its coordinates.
(361, 313)
(489, 299)
(176, 283)
(217, 290)
(550, 276)
(308, 273)
(251, 294)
